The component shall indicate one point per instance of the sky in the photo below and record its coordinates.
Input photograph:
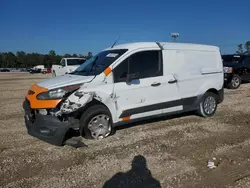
(81, 26)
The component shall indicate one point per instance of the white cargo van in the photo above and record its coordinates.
(67, 65)
(126, 83)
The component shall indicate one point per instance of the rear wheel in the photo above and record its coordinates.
(208, 104)
(235, 82)
(96, 122)
(53, 74)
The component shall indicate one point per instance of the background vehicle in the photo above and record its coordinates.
(67, 65)
(39, 67)
(236, 70)
(46, 70)
(4, 70)
(35, 70)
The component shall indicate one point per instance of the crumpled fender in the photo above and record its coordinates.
(83, 96)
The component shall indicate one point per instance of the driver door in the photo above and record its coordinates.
(62, 68)
(148, 91)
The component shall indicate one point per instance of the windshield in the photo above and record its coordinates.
(229, 59)
(75, 61)
(98, 63)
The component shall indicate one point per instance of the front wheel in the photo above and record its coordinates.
(96, 122)
(235, 82)
(208, 105)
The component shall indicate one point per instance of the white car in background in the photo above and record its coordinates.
(67, 65)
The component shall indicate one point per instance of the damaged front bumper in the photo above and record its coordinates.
(45, 127)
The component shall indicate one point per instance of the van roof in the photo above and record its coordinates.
(165, 45)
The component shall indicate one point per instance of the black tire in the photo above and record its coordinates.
(201, 110)
(53, 74)
(235, 82)
(90, 113)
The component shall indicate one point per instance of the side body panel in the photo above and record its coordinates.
(100, 89)
(196, 71)
(145, 96)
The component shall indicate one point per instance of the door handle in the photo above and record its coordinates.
(172, 81)
(155, 84)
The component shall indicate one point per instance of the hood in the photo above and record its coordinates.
(231, 64)
(64, 80)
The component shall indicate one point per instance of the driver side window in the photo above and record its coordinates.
(121, 71)
(146, 64)
(63, 63)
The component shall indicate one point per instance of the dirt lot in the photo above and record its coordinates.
(175, 151)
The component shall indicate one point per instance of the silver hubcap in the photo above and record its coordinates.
(235, 82)
(99, 126)
(209, 105)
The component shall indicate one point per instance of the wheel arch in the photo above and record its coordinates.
(77, 114)
(218, 94)
(213, 90)
(211, 86)
(204, 91)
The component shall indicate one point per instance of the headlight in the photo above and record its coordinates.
(57, 93)
(228, 69)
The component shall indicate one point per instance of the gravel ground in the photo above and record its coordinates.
(170, 152)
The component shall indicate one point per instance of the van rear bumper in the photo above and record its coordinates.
(45, 127)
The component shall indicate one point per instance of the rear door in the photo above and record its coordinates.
(150, 93)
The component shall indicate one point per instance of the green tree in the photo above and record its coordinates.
(52, 53)
(67, 55)
(240, 49)
(247, 47)
(1, 60)
(10, 60)
(21, 59)
(51, 59)
(28, 60)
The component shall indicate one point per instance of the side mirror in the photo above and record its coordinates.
(133, 76)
